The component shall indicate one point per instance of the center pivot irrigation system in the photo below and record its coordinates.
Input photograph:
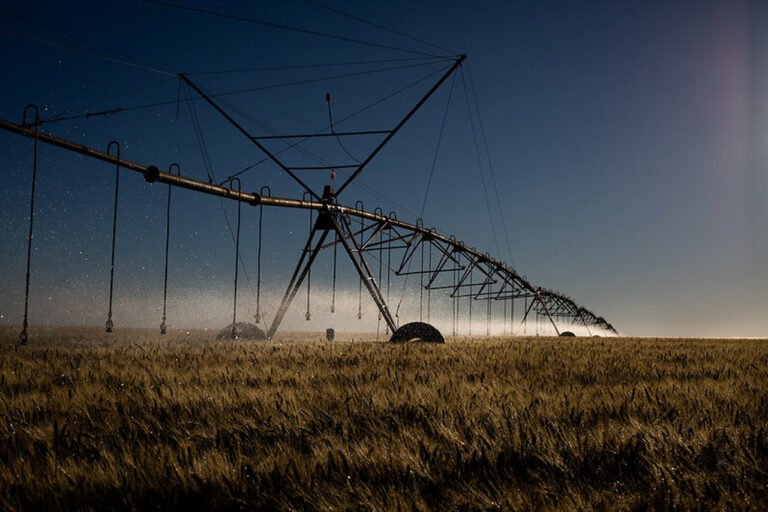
(377, 245)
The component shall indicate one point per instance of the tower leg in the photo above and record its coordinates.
(298, 277)
(344, 230)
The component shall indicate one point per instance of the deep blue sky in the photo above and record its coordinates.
(629, 142)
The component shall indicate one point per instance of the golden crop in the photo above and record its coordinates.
(135, 421)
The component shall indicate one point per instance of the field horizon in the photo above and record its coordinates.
(46, 331)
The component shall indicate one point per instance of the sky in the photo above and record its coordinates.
(628, 141)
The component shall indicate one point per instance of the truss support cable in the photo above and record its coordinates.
(83, 52)
(66, 115)
(319, 132)
(164, 325)
(200, 140)
(221, 95)
(437, 148)
(276, 135)
(479, 162)
(494, 185)
(373, 24)
(130, 61)
(110, 324)
(311, 66)
(234, 123)
(210, 173)
(289, 28)
(404, 120)
(24, 335)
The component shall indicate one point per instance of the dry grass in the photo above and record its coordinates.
(134, 422)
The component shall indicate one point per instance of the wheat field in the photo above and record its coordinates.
(133, 420)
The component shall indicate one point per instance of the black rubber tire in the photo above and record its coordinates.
(417, 331)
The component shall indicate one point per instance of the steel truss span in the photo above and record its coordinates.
(441, 263)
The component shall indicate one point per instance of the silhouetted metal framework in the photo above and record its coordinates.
(444, 264)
